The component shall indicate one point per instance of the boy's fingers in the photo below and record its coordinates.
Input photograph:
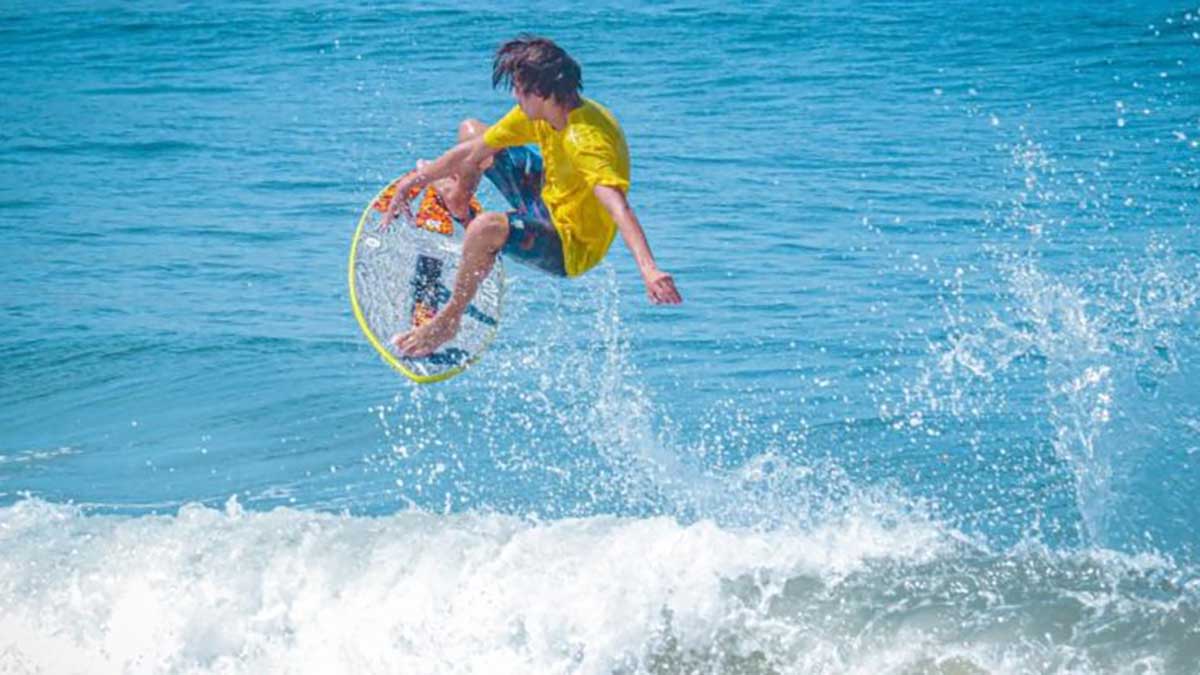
(667, 292)
(664, 292)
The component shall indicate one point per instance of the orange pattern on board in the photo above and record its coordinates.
(431, 214)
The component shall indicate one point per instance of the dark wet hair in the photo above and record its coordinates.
(537, 65)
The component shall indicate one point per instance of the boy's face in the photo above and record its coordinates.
(532, 105)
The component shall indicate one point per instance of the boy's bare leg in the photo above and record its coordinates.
(485, 237)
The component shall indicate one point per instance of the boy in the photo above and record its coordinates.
(568, 203)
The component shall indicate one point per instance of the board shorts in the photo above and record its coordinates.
(518, 174)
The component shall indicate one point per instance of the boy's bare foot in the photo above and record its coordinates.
(422, 341)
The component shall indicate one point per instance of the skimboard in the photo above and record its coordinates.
(401, 275)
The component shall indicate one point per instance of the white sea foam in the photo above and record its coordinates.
(290, 591)
(37, 455)
(234, 591)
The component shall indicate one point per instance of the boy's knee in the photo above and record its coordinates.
(470, 128)
(491, 226)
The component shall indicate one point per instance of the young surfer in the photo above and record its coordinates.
(568, 202)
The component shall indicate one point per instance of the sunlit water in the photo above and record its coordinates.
(930, 405)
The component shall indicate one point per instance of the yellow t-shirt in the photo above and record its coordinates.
(589, 151)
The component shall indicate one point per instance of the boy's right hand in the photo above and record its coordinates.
(398, 206)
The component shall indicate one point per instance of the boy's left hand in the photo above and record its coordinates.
(660, 286)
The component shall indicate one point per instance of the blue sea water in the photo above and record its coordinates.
(930, 405)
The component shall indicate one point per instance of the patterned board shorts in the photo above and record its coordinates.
(532, 240)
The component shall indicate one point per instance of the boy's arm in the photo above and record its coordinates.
(471, 152)
(659, 285)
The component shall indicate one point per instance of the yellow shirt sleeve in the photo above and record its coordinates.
(594, 154)
(512, 129)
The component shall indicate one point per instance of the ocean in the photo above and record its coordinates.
(930, 404)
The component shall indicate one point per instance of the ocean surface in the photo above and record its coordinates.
(931, 404)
